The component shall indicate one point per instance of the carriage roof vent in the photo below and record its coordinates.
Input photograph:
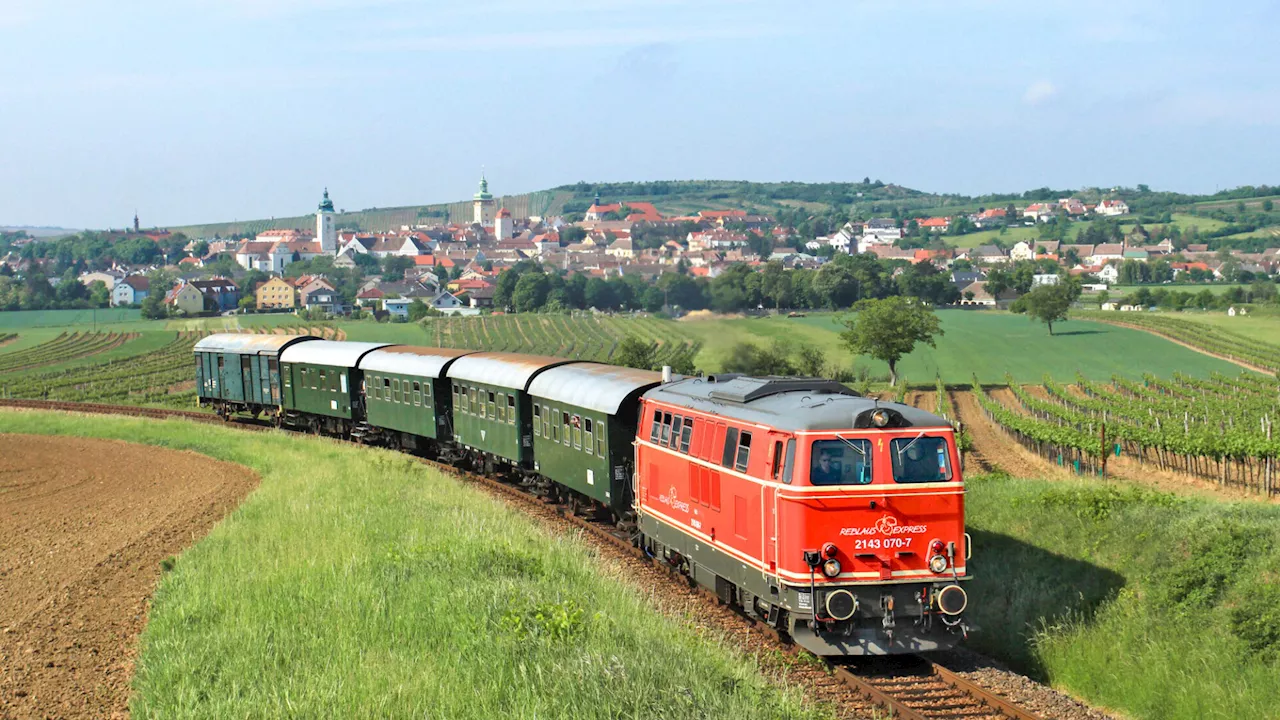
(741, 389)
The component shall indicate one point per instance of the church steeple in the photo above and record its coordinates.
(483, 194)
(326, 204)
(135, 221)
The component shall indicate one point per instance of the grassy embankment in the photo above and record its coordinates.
(358, 583)
(1161, 606)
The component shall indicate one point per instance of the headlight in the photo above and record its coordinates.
(831, 568)
(938, 563)
(879, 418)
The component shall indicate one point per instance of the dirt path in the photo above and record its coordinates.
(84, 527)
(1202, 351)
(992, 448)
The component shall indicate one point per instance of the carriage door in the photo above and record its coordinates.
(273, 379)
(246, 377)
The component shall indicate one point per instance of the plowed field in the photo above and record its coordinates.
(84, 528)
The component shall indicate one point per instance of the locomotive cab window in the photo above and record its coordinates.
(657, 426)
(920, 459)
(666, 430)
(730, 447)
(744, 452)
(686, 434)
(840, 462)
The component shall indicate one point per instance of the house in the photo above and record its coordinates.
(991, 217)
(1072, 206)
(1082, 252)
(397, 307)
(621, 248)
(964, 278)
(934, 224)
(322, 297)
(976, 294)
(988, 254)
(276, 294)
(1104, 252)
(1112, 207)
(1022, 250)
(186, 298)
(222, 294)
(481, 297)
(1045, 279)
(106, 277)
(372, 297)
(1109, 274)
(880, 230)
(130, 291)
(274, 257)
(445, 301)
(1039, 211)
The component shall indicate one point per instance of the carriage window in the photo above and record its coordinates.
(493, 405)
(471, 399)
(744, 452)
(588, 438)
(920, 459)
(577, 432)
(417, 393)
(600, 440)
(537, 420)
(567, 438)
(730, 447)
(790, 462)
(555, 427)
(686, 434)
(657, 425)
(511, 409)
(666, 430)
(840, 462)
(502, 408)
(546, 421)
(457, 400)
(426, 390)
(395, 389)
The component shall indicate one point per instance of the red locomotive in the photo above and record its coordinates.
(834, 517)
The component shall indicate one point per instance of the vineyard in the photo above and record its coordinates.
(159, 374)
(1217, 341)
(1218, 429)
(64, 347)
(6, 337)
(582, 338)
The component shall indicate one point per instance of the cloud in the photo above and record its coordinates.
(1038, 92)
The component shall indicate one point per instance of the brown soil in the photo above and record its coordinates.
(84, 526)
(6, 341)
(992, 448)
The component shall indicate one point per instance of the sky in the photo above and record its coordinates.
(214, 110)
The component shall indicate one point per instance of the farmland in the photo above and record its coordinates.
(1235, 342)
(484, 614)
(582, 338)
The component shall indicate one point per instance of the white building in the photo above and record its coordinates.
(503, 229)
(1112, 207)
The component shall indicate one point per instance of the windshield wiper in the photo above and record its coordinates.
(913, 442)
(849, 442)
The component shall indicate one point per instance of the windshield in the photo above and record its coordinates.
(840, 462)
(920, 460)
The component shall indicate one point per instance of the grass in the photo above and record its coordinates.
(1257, 326)
(1081, 584)
(372, 586)
(986, 343)
(1118, 291)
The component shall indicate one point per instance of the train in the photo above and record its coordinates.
(835, 518)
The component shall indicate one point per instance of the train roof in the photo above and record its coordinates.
(792, 404)
(591, 385)
(509, 370)
(410, 360)
(248, 343)
(334, 353)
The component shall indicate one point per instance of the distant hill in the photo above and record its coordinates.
(790, 201)
(39, 231)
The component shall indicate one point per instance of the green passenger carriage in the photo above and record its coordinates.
(407, 393)
(240, 372)
(492, 414)
(321, 384)
(584, 421)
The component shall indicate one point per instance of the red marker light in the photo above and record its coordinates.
(829, 550)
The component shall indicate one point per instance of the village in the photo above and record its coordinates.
(453, 267)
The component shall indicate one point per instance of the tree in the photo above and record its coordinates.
(248, 302)
(810, 361)
(1267, 205)
(1048, 304)
(751, 359)
(393, 267)
(99, 295)
(889, 328)
(635, 353)
(201, 249)
(1104, 297)
(153, 307)
(531, 292)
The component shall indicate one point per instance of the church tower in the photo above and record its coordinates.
(483, 202)
(326, 233)
(135, 221)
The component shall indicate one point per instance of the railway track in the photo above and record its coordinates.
(907, 687)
